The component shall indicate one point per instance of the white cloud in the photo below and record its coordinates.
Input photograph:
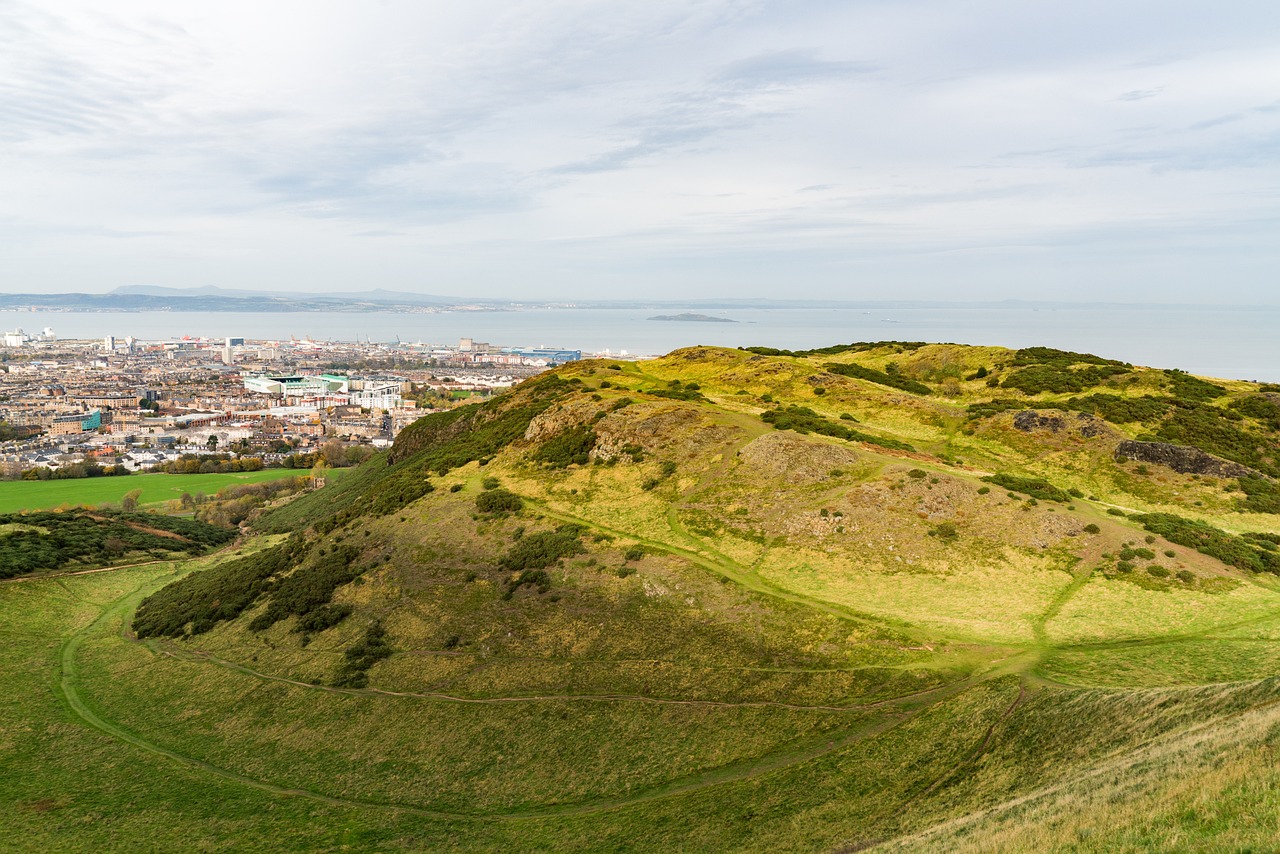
(561, 148)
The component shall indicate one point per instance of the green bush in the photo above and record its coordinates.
(310, 586)
(568, 447)
(50, 540)
(540, 550)
(1236, 551)
(203, 599)
(1186, 576)
(357, 659)
(945, 531)
(323, 618)
(1092, 529)
(879, 377)
(1157, 571)
(1036, 487)
(1186, 387)
(802, 419)
(499, 501)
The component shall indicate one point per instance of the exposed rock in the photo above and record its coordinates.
(1180, 459)
(1086, 425)
(1029, 420)
(797, 460)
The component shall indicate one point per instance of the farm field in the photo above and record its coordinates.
(19, 495)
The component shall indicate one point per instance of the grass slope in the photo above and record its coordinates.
(716, 634)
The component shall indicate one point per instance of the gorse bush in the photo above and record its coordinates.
(52, 540)
(310, 586)
(499, 501)
(892, 380)
(540, 550)
(566, 448)
(802, 419)
(1036, 487)
(203, 599)
(1236, 551)
(357, 659)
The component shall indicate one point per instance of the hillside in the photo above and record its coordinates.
(887, 596)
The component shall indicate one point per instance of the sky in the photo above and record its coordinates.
(906, 149)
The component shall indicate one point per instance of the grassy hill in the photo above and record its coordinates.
(887, 596)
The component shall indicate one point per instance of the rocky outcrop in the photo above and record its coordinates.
(1180, 458)
(1029, 421)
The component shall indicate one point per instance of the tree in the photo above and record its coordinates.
(212, 442)
(130, 499)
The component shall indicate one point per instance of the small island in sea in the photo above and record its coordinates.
(690, 317)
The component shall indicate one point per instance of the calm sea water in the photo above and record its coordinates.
(1238, 343)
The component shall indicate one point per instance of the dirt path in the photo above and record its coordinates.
(70, 688)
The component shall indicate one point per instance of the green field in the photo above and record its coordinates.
(716, 635)
(19, 495)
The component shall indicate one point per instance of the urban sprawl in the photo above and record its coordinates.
(73, 408)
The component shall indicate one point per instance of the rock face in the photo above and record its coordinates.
(1180, 459)
(1029, 421)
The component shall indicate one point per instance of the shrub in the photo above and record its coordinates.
(499, 501)
(490, 483)
(205, 598)
(983, 490)
(323, 618)
(1157, 571)
(885, 378)
(540, 550)
(1036, 487)
(309, 586)
(802, 419)
(819, 391)
(945, 531)
(457, 487)
(1092, 529)
(634, 553)
(917, 474)
(566, 448)
(1124, 566)
(1240, 552)
(532, 577)
(1115, 511)
(357, 659)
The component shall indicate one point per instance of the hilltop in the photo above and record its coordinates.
(889, 595)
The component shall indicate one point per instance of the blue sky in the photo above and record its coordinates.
(909, 149)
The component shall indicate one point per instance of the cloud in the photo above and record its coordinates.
(547, 147)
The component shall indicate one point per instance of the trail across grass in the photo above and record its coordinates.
(19, 495)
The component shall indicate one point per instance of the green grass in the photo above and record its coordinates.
(19, 495)
(755, 643)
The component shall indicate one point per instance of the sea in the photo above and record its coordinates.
(1226, 342)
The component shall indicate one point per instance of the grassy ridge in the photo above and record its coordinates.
(591, 616)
